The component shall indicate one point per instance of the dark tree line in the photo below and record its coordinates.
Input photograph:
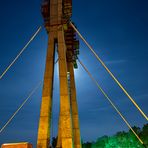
(121, 140)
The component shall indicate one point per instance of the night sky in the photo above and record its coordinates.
(117, 30)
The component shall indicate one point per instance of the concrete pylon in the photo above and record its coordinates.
(56, 15)
(65, 114)
(59, 140)
(46, 106)
(74, 106)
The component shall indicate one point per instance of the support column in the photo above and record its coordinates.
(74, 107)
(65, 115)
(59, 140)
(46, 105)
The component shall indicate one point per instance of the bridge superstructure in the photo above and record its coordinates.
(61, 35)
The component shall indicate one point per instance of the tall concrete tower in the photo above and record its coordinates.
(57, 14)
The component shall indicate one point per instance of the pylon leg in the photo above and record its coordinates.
(46, 105)
(74, 107)
(65, 115)
(59, 140)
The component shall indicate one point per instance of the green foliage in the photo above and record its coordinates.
(144, 134)
(87, 145)
(54, 142)
(122, 140)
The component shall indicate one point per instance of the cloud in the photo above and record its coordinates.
(135, 97)
(104, 108)
(116, 62)
(143, 96)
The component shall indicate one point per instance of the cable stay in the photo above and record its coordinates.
(15, 113)
(110, 101)
(19, 54)
(110, 73)
(30, 95)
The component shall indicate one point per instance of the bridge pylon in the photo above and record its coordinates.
(56, 14)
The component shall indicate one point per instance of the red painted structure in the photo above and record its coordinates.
(17, 145)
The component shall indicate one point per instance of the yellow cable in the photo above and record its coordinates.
(34, 35)
(111, 74)
(32, 92)
(94, 80)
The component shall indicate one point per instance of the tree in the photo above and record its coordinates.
(54, 142)
(144, 134)
(122, 139)
(87, 145)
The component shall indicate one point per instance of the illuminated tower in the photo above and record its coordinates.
(56, 14)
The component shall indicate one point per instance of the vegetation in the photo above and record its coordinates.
(121, 140)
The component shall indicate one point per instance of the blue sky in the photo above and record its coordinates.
(117, 30)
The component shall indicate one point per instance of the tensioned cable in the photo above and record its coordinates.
(34, 35)
(107, 97)
(32, 92)
(111, 74)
